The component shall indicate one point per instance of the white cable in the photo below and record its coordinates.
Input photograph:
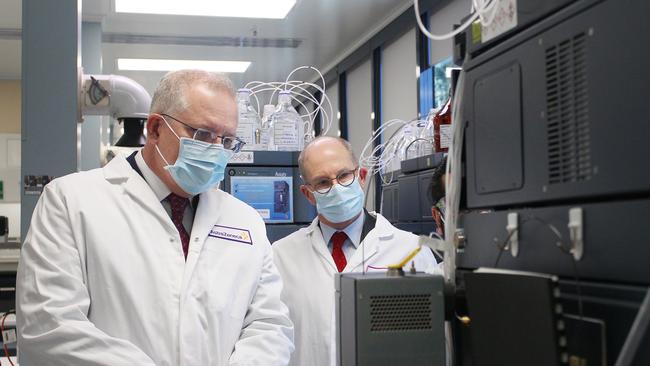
(301, 92)
(275, 89)
(370, 157)
(384, 156)
(257, 102)
(445, 36)
(318, 104)
(308, 124)
(481, 8)
(323, 98)
(453, 183)
(486, 7)
(265, 87)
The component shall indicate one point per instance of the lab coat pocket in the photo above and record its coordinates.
(230, 282)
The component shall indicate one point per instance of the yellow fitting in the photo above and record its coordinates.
(406, 260)
(465, 320)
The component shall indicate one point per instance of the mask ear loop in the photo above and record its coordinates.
(174, 132)
(170, 127)
(161, 155)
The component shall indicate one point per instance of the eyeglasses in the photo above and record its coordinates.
(229, 142)
(345, 178)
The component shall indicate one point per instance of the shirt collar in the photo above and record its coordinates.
(353, 231)
(159, 188)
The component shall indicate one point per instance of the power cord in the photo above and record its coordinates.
(2, 330)
(502, 247)
(560, 245)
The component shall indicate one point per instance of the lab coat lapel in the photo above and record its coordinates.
(118, 171)
(370, 246)
(206, 216)
(318, 243)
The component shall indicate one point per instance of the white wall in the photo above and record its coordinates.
(333, 94)
(10, 166)
(442, 22)
(399, 81)
(359, 84)
(10, 176)
(359, 103)
(10, 105)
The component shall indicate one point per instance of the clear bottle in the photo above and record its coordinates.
(248, 121)
(287, 128)
(263, 134)
(392, 153)
(427, 133)
(408, 146)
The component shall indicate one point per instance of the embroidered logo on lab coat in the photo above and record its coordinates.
(232, 234)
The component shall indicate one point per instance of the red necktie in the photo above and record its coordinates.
(178, 205)
(338, 239)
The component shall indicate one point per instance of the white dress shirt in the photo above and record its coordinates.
(162, 191)
(353, 231)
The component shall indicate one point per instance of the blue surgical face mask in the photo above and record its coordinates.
(341, 203)
(199, 165)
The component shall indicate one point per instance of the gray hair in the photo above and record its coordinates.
(169, 96)
(344, 142)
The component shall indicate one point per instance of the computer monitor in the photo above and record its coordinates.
(271, 196)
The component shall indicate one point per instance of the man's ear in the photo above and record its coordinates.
(154, 124)
(308, 194)
(363, 175)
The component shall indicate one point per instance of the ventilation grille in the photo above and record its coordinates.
(398, 313)
(569, 150)
(130, 38)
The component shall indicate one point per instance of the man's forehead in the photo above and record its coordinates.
(326, 144)
(201, 97)
(326, 157)
(213, 111)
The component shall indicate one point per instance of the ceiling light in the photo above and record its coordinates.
(271, 9)
(144, 64)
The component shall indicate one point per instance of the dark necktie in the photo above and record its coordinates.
(338, 239)
(178, 205)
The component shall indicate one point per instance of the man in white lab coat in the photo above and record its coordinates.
(340, 239)
(145, 261)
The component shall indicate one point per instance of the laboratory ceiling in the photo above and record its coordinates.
(315, 32)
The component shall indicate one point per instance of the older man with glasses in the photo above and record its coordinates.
(342, 238)
(145, 261)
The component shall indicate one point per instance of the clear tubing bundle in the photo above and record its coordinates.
(384, 157)
(303, 93)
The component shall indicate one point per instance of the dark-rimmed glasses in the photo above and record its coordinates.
(344, 178)
(232, 143)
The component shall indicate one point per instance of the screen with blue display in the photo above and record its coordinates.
(272, 197)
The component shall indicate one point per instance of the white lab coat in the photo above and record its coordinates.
(308, 271)
(102, 280)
